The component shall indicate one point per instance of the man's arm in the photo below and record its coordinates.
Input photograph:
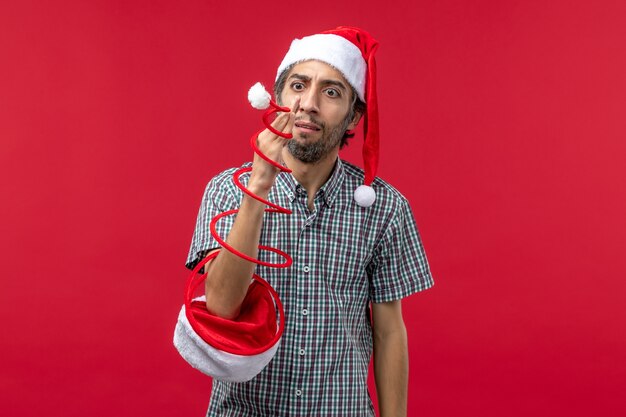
(229, 275)
(391, 358)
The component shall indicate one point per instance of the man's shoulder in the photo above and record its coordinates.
(386, 194)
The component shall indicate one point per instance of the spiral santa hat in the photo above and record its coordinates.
(237, 350)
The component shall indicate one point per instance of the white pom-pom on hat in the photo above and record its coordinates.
(258, 97)
(364, 195)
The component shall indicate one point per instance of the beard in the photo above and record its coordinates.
(311, 153)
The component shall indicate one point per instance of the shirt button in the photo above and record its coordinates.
(298, 393)
(306, 268)
(301, 352)
(291, 195)
(305, 311)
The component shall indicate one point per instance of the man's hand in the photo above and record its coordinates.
(263, 174)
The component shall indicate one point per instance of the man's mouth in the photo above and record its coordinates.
(307, 125)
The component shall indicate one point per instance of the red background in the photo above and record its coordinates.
(502, 122)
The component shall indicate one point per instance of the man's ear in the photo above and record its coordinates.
(355, 120)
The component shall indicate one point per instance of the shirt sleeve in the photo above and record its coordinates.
(399, 266)
(218, 197)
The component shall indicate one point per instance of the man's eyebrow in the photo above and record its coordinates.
(300, 77)
(335, 83)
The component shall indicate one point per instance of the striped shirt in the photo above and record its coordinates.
(344, 257)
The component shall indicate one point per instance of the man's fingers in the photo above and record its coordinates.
(292, 115)
(295, 105)
(284, 121)
(281, 121)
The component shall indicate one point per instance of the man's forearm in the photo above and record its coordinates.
(391, 372)
(229, 275)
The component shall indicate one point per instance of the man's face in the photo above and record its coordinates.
(322, 116)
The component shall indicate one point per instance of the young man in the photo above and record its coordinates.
(347, 255)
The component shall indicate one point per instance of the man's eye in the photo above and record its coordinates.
(331, 92)
(297, 86)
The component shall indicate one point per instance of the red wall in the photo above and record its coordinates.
(502, 121)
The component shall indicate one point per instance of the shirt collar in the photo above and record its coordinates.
(328, 192)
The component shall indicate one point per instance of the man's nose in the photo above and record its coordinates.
(309, 101)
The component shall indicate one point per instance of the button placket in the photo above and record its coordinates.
(301, 271)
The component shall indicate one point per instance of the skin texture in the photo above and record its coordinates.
(357, 106)
(391, 358)
(320, 100)
(298, 81)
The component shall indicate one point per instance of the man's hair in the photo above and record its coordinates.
(357, 105)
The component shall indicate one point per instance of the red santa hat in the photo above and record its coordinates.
(230, 350)
(351, 51)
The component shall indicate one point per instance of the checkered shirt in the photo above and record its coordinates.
(344, 257)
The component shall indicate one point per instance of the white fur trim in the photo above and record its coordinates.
(334, 50)
(218, 364)
(364, 195)
(259, 97)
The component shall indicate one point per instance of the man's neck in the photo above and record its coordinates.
(311, 176)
